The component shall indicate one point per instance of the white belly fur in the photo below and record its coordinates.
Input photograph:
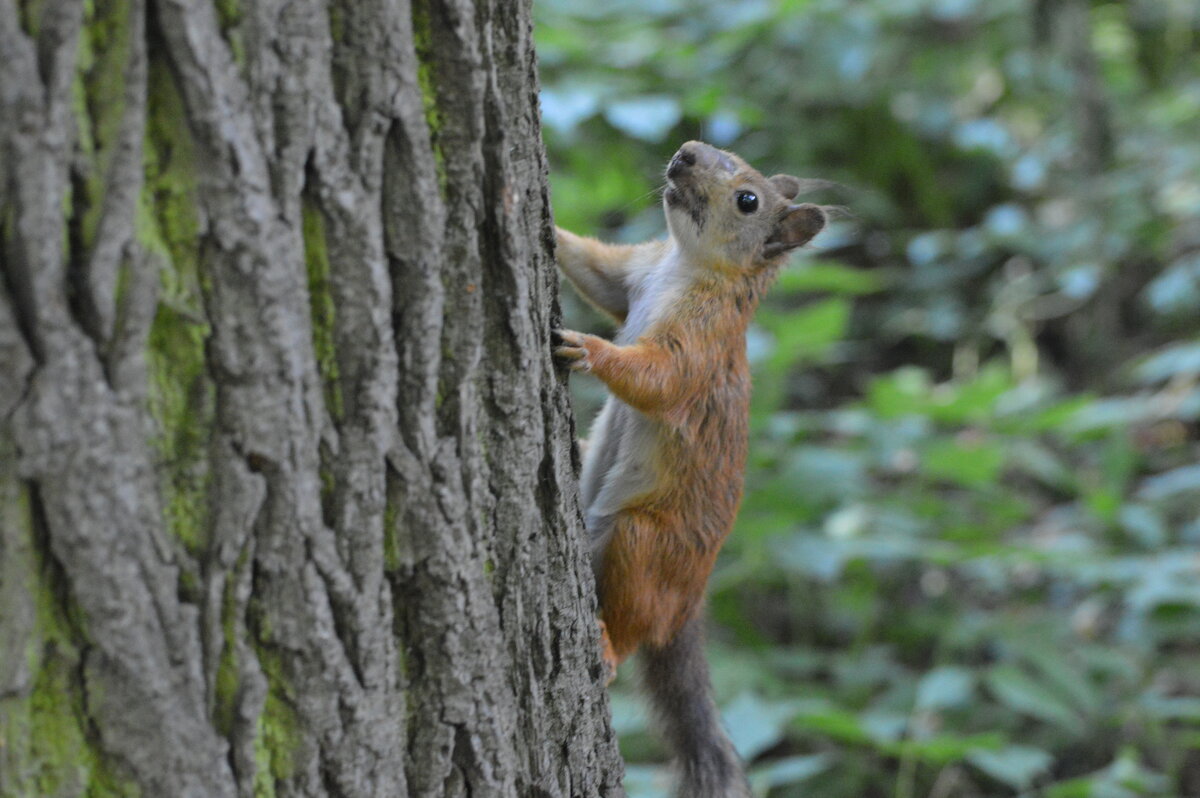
(619, 465)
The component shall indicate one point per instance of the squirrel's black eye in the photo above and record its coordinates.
(747, 201)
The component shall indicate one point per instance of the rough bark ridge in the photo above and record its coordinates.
(284, 463)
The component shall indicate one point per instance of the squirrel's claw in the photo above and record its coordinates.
(567, 337)
(576, 357)
(573, 350)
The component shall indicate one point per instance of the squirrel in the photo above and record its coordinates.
(663, 469)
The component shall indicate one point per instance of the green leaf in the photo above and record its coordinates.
(1161, 707)
(973, 463)
(1051, 418)
(1173, 361)
(807, 333)
(903, 392)
(945, 687)
(825, 473)
(944, 749)
(826, 276)
(1125, 777)
(829, 721)
(755, 725)
(789, 770)
(1185, 479)
(1144, 524)
(1062, 673)
(970, 401)
(1021, 693)
(1017, 765)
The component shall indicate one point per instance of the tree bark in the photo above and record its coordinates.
(287, 493)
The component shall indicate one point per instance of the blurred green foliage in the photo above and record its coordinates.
(968, 562)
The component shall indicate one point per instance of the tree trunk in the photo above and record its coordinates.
(286, 476)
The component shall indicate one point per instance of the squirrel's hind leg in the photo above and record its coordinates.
(607, 654)
(648, 588)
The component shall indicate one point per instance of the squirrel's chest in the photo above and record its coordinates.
(652, 296)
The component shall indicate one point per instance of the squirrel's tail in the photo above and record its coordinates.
(676, 678)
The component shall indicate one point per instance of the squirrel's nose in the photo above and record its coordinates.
(696, 153)
(684, 160)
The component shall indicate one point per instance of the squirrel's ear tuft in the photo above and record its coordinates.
(795, 229)
(786, 185)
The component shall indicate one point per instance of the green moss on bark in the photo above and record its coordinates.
(64, 760)
(99, 99)
(182, 396)
(337, 23)
(46, 744)
(277, 738)
(321, 305)
(427, 79)
(31, 16)
(391, 546)
(229, 16)
(228, 681)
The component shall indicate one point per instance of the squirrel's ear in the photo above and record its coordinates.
(796, 228)
(786, 185)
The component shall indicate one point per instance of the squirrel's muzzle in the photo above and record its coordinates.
(698, 155)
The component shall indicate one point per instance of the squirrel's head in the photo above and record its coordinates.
(716, 203)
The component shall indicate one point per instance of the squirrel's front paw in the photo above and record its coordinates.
(573, 349)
